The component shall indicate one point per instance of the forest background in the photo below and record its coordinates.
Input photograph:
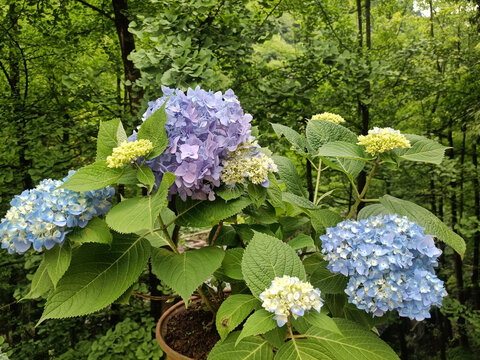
(66, 65)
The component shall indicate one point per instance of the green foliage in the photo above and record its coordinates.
(57, 260)
(425, 218)
(153, 129)
(260, 322)
(208, 213)
(41, 282)
(93, 177)
(110, 135)
(186, 271)
(233, 311)
(266, 258)
(353, 341)
(110, 272)
(129, 339)
(289, 175)
(96, 231)
(252, 348)
(327, 282)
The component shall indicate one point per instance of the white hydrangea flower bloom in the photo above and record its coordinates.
(290, 296)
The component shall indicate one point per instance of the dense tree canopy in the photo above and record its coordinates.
(66, 65)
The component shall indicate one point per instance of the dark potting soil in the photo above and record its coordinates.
(188, 333)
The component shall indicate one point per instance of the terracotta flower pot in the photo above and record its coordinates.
(162, 331)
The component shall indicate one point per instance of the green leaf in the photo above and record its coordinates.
(186, 271)
(327, 282)
(250, 348)
(41, 282)
(276, 337)
(336, 304)
(342, 149)
(257, 193)
(232, 263)
(124, 299)
(313, 262)
(208, 213)
(110, 135)
(132, 215)
(266, 258)
(322, 321)
(372, 210)
(320, 133)
(93, 177)
(57, 260)
(97, 276)
(301, 241)
(323, 219)
(228, 192)
(96, 231)
(298, 141)
(302, 349)
(140, 213)
(145, 176)
(433, 225)
(153, 129)
(233, 311)
(422, 150)
(354, 342)
(129, 177)
(260, 322)
(226, 236)
(299, 201)
(157, 238)
(289, 175)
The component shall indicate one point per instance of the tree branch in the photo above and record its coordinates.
(100, 11)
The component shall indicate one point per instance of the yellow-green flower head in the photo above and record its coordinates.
(326, 116)
(380, 140)
(246, 162)
(128, 152)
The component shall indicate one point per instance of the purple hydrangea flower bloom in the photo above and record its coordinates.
(202, 126)
(390, 262)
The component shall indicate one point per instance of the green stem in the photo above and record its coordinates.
(319, 172)
(167, 235)
(206, 301)
(364, 191)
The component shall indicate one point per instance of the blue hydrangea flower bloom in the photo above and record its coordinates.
(202, 127)
(390, 262)
(41, 217)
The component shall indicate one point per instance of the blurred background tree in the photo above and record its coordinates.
(66, 65)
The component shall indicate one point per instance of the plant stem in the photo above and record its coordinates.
(289, 326)
(206, 301)
(167, 235)
(319, 172)
(364, 191)
(220, 224)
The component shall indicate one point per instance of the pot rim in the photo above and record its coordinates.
(164, 320)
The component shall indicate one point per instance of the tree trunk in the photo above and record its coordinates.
(127, 45)
(458, 264)
(363, 108)
(476, 236)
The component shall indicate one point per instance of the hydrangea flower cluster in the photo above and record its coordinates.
(390, 262)
(380, 140)
(247, 163)
(289, 295)
(326, 116)
(44, 215)
(128, 152)
(202, 127)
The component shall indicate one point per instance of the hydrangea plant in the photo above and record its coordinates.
(305, 280)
